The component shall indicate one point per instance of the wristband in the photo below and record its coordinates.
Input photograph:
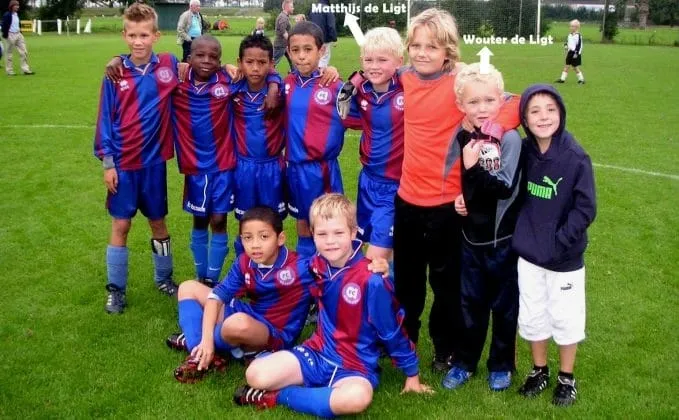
(107, 162)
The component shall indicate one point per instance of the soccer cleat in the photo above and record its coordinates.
(581, 82)
(115, 302)
(559, 81)
(246, 395)
(188, 373)
(208, 282)
(536, 382)
(442, 363)
(455, 378)
(167, 287)
(29, 73)
(499, 381)
(565, 392)
(250, 356)
(177, 341)
(11, 74)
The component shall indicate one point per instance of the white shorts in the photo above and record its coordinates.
(551, 304)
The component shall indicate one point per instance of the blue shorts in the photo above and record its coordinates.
(260, 183)
(309, 180)
(141, 189)
(280, 339)
(375, 209)
(208, 193)
(318, 371)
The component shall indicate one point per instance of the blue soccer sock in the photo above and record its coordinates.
(191, 321)
(199, 242)
(306, 246)
(163, 267)
(238, 246)
(116, 265)
(314, 401)
(221, 345)
(219, 248)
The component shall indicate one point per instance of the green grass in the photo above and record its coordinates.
(654, 35)
(62, 356)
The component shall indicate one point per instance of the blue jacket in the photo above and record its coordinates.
(6, 23)
(560, 202)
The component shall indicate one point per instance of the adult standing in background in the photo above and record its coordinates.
(283, 27)
(190, 25)
(11, 32)
(326, 21)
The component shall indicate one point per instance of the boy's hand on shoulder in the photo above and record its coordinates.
(111, 180)
(114, 69)
(460, 206)
(470, 153)
(379, 266)
(183, 71)
(413, 384)
(234, 72)
(329, 75)
(345, 96)
(272, 101)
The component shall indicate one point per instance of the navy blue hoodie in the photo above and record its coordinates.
(560, 203)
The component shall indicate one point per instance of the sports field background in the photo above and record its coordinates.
(61, 355)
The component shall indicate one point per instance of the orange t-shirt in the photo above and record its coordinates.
(431, 159)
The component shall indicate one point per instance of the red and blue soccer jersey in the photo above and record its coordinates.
(357, 311)
(202, 125)
(134, 121)
(382, 123)
(314, 129)
(257, 137)
(279, 293)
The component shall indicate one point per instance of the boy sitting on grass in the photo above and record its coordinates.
(335, 371)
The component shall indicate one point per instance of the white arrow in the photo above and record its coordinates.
(352, 22)
(485, 60)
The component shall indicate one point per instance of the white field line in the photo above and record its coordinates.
(636, 171)
(598, 165)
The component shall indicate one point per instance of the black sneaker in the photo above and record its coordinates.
(177, 341)
(442, 363)
(581, 82)
(565, 392)
(559, 81)
(168, 287)
(115, 302)
(208, 282)
(536, 382)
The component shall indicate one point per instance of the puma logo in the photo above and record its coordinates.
(551, 183)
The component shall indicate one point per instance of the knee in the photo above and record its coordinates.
(218, 223)
(187, 289)
(352, 400)
(256, 375)
(121, 227)
(158, 228)
(235, 328)
(200, 223)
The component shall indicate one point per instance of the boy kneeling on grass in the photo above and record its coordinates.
(335, 371)
(216, 322)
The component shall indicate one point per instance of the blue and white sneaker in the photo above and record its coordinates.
(499, 381)
(455, 378)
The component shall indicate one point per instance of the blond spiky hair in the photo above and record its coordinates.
(443, 27)
(329, 206)
(383, 39)
(138, 12)
(472, 73)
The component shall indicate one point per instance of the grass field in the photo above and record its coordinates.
(63, 356)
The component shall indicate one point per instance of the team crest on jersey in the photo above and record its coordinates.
(323, 96)
(124, 85)
(351, 293)
(220, 91)
(247, 279)
(399, 102)
(364, 105)
(164, 74)
(286, 277)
